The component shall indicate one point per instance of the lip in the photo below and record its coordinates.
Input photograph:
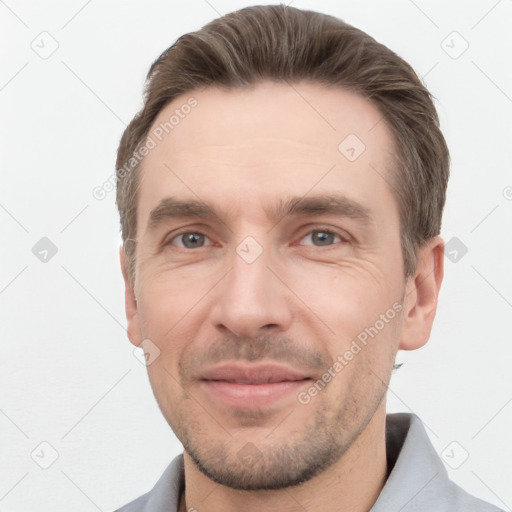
(246, 386)
(252, 374)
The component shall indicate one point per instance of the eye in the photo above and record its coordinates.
(190, 240)
(322, 237)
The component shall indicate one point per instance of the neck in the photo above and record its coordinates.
(351, 484)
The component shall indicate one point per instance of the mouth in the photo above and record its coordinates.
(251, 386)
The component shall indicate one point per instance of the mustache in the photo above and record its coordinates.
(233, 348)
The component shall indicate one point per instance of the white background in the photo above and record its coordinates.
(68, 373)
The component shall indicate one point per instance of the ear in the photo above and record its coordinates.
(422, 291)
(130, 304)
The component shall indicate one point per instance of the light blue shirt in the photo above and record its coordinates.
(418, 481)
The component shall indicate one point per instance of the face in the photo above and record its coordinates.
(269, 276)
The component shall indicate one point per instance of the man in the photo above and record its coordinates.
(280, 195)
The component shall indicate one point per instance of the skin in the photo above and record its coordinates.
(303, 300)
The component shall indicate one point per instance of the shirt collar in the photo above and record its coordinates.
(417, 470)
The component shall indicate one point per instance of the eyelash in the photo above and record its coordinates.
(343, 237)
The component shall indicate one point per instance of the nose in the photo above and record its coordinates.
(251, 300)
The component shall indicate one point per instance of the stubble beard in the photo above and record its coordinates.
(282, 464)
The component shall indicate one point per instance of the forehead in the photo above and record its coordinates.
(266, 141)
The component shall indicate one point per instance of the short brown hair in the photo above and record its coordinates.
(286, 44)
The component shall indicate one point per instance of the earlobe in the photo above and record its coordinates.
(420, 303)
(131, 308)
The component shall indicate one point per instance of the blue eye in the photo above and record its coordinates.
(190, 240)
(196, 240)
(322, 237)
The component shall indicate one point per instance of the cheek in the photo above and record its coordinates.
(168, 298)
(165, 308)
(347, 298)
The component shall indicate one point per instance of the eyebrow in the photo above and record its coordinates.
(333, 204)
